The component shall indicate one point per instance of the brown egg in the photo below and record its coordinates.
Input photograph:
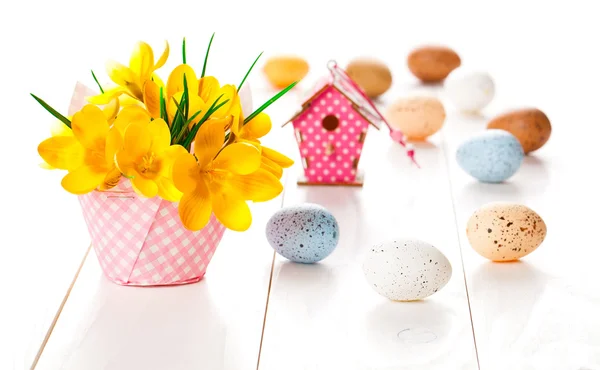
(416, 117)
(505, 232)
(372, 75)
(284, 70)
(530, 126)
(433, 63)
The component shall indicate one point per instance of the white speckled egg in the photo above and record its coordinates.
(406, 269)
(306, 233)
(491, 156)
(469, 91)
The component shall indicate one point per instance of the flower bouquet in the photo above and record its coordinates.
(162, 169)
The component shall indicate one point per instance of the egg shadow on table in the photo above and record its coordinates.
(408, 328)
(477, 193)
(533, 175)
(506, 291)
(466, 120)
(120, 313)
(308, 281)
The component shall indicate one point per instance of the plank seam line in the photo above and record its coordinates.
(60, 309)
(262, 334)
(446, 159)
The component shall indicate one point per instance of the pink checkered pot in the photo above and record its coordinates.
(141, 241)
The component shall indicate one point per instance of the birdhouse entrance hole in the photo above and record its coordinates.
(330, 122)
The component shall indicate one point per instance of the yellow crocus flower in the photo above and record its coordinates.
(256, 128)
(131, 80)
(147, 158)
(87, 154)
(219, 180)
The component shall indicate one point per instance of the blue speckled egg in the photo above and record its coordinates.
(492, 156)
(305, 233)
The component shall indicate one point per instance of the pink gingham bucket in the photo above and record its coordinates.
(141, 241)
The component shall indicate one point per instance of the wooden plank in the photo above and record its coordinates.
(541, 313)
(325, 316)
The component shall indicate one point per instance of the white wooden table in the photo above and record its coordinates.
(256, 310)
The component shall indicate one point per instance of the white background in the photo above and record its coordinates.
(540, 53)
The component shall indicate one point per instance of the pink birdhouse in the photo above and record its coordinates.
(331, 127)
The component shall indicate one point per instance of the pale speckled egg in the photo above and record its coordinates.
(417, 117)
(503, 231)
(306, 233)
(469, 91)
(491, 156)
(406, 269)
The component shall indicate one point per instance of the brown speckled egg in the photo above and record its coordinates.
(530, 126)
(505, 232)
(416, 117)
(372, 75)
(432, 63)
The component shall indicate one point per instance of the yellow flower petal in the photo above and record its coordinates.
(269, 165)
(141, 62)
(277, 157)
(126, 163)
(167, 190)
(185, 173)
(120, 74)
(107, 96)
(195, 207)
(195, 104)
(111, 110)
(129, 115)
(229, 92)
(90, 127)
(58, 128)
(144, 186)
(208, 141)
(151, 94)
(126, 100)
(231, 211)
(163, 58)
(175, 80)
(258, 127)
(160, 134)
(114, 142)
(208, 87)
(137, 140)
(62, 152)
(82, 180)
(239, 158)
(111, 179)
(259, 186)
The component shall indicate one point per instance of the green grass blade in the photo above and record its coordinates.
(53, 111)
(187, 100)
(213, 108)
(250, 70)
(178, 121)
(163, 107)
(206, 56)
(183, 51)
(269, 102)
(98, 83)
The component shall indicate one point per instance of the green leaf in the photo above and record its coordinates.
(187, 100)
(187, 124)
(178, 121)
(183, 51)
(206, 57)
(269, 102)
(95, 79)
(250, 70)
(213, 108)
(53, 111)
(163, 107)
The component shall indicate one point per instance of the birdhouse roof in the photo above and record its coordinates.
(340, 81)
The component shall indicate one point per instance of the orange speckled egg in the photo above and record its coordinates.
(417, 117)
(530, 126)
(283, 70)
(505, 232)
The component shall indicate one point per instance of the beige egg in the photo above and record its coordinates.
(372, 75)
(417, 117)
(505, 232)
